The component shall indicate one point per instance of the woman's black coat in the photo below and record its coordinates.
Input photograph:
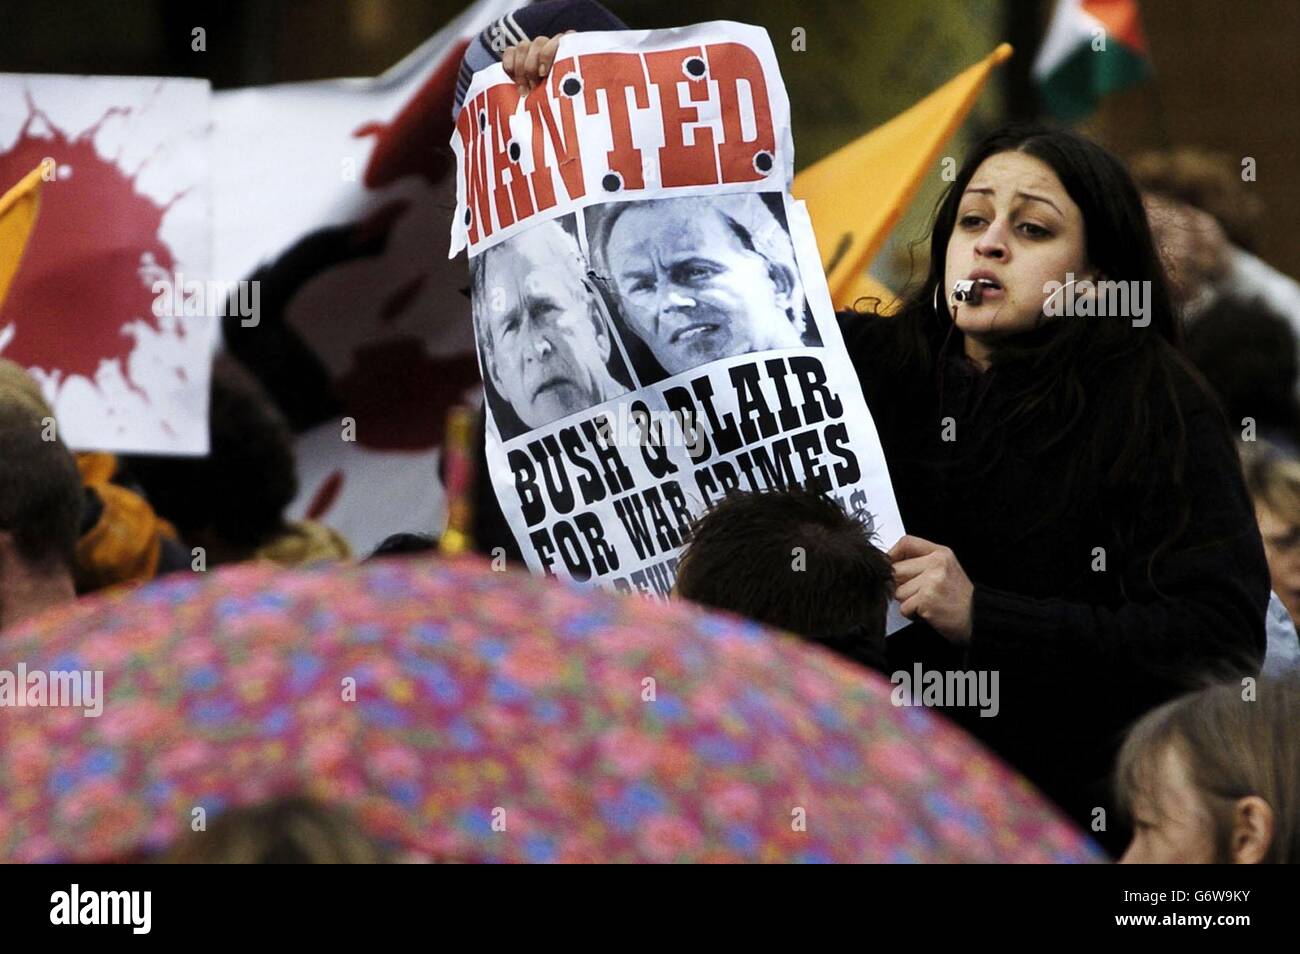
(1080, 651)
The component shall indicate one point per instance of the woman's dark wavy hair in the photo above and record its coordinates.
(1104, 385)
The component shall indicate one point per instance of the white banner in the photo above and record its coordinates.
(334, 186)
(110, 307)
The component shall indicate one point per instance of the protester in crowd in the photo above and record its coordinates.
(1209, 181)
(1249, 356)
(700, 279)
(794, 559)
(1213, 777)
(1203, 214)
(231, 503)
(16, 385)
(1193, 248)
(1076, 513)
(287, 831)
(122, 540)
(542, 337)
(1273, 480)
(40, 515)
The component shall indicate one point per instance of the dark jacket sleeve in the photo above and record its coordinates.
(547, 18)
(1200, 612)
(866, 337)
(550, 17)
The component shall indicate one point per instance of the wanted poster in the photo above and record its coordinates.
(652, 321)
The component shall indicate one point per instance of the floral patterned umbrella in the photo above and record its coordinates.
(463, 714)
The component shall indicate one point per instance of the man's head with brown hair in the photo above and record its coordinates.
(17, 385)
(1273, 480)
(295, 830)
(1205, 180)
(794, 559)
(1213, 777)
(41, 501)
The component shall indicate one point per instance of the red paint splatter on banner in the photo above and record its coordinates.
(398, 393)
(80, 281)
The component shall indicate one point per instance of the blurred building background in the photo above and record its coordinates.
(1227, 75)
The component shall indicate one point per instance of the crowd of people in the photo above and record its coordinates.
(1115, 530)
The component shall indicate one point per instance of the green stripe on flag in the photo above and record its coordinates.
(1073, 89)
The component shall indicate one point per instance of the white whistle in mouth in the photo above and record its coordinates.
(969, 290)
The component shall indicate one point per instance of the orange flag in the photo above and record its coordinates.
(857, 194)
(18, 208)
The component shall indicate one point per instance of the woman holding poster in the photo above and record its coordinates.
(1076, 513)
(1077, 518)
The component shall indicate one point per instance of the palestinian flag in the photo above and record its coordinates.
(1092, 47)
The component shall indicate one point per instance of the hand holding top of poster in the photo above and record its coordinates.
(528, 61)
(653, 324)
(609, 122)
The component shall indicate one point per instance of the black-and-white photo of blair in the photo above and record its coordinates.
(543, 338)
(691, 280)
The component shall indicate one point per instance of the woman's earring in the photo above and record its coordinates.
(936, 300)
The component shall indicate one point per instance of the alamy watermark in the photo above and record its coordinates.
(947, 688)
(57, 688)
(130, 908)
(177, 298)
(634, 425)
(1102, 299)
